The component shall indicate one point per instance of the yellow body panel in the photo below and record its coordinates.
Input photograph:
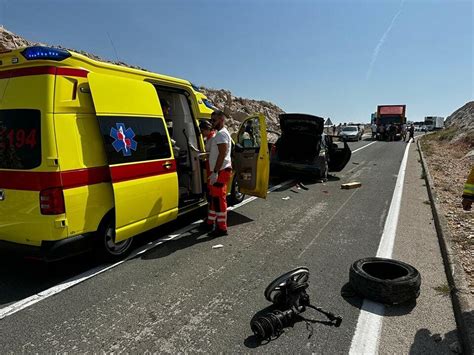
(140, 204)
(263, 160)
(21, 221)
(143, 204)
(86, 206)
(20, 218)
(121, 96)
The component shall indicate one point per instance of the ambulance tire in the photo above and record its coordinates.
(106, 246)
(386, 281)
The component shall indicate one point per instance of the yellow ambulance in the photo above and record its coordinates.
(93, 154)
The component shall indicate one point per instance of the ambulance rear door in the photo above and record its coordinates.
(251, 159)
(137, 145)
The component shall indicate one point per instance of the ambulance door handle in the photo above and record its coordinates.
(167, 165)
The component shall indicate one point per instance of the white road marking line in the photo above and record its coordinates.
(369, 325)
(29, 301)
(365, 146)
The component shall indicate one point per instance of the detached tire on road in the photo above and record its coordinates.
(386, 281)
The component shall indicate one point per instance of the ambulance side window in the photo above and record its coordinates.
(134, 139)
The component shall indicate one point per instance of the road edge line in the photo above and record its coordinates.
(75, 280)
(371, 313)
(452, 266)
(365, 146)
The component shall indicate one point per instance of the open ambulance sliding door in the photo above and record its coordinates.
(251, 157)
(142, 166)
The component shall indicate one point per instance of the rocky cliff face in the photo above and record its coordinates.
(9, 40)
(236, 108)
(463, 118)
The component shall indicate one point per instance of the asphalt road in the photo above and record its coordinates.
(184, 296)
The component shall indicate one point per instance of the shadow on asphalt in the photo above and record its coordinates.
(252, 341)
(191, 238)
(349, 295)
(426, 342)
(21, 278)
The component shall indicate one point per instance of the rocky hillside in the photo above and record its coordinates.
(236, 108)
(9, 40)
(462, 120)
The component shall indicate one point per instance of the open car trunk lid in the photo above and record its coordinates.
(301, 137)
(294, 123)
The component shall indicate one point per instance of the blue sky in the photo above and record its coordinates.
(335, 59)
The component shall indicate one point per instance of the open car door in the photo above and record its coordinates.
(338, 157)
(251, 157)
(142, 167)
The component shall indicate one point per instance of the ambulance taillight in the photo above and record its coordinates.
(52, 201)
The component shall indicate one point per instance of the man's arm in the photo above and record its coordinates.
(220, 158)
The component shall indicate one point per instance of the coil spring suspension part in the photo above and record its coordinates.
(288, 293)
(271, 324)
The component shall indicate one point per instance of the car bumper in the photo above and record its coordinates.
(314, 169)
(49, 250)
(349, 138)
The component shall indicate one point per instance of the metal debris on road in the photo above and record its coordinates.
(217, 246)
(288, 295)
(351, 185)
(285, 198)
(356, 163)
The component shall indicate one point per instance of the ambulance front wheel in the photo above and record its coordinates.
(107, 246)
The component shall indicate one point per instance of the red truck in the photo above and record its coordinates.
(391, 122)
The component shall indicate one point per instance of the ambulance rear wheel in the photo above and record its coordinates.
(107, 246)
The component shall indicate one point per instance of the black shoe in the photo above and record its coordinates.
(204, 226)
(217, 233)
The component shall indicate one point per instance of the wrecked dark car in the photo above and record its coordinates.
(304, 149)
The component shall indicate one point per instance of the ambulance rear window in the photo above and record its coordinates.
(20, 139)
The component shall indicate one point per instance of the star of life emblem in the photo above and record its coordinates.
(123, 139)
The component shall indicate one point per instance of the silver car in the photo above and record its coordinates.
(350, 133)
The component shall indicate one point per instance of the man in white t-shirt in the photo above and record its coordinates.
(221, 170)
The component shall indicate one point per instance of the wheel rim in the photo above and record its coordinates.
(237, 194)
(112, 247)
(274, 288)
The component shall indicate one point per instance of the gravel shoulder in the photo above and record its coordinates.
(449, 168)
(427, 326)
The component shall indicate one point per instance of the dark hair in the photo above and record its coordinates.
(218, 113)
(205, 124)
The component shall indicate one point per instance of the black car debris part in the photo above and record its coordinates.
(386, 281)
(288, 295)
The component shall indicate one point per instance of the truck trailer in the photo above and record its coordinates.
(434, 122)
(390, 121)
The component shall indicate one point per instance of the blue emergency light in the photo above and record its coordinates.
(208, 104)
(45, 53)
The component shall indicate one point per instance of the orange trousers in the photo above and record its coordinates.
(217, 212)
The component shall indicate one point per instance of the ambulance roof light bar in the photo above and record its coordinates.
(45, 53)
